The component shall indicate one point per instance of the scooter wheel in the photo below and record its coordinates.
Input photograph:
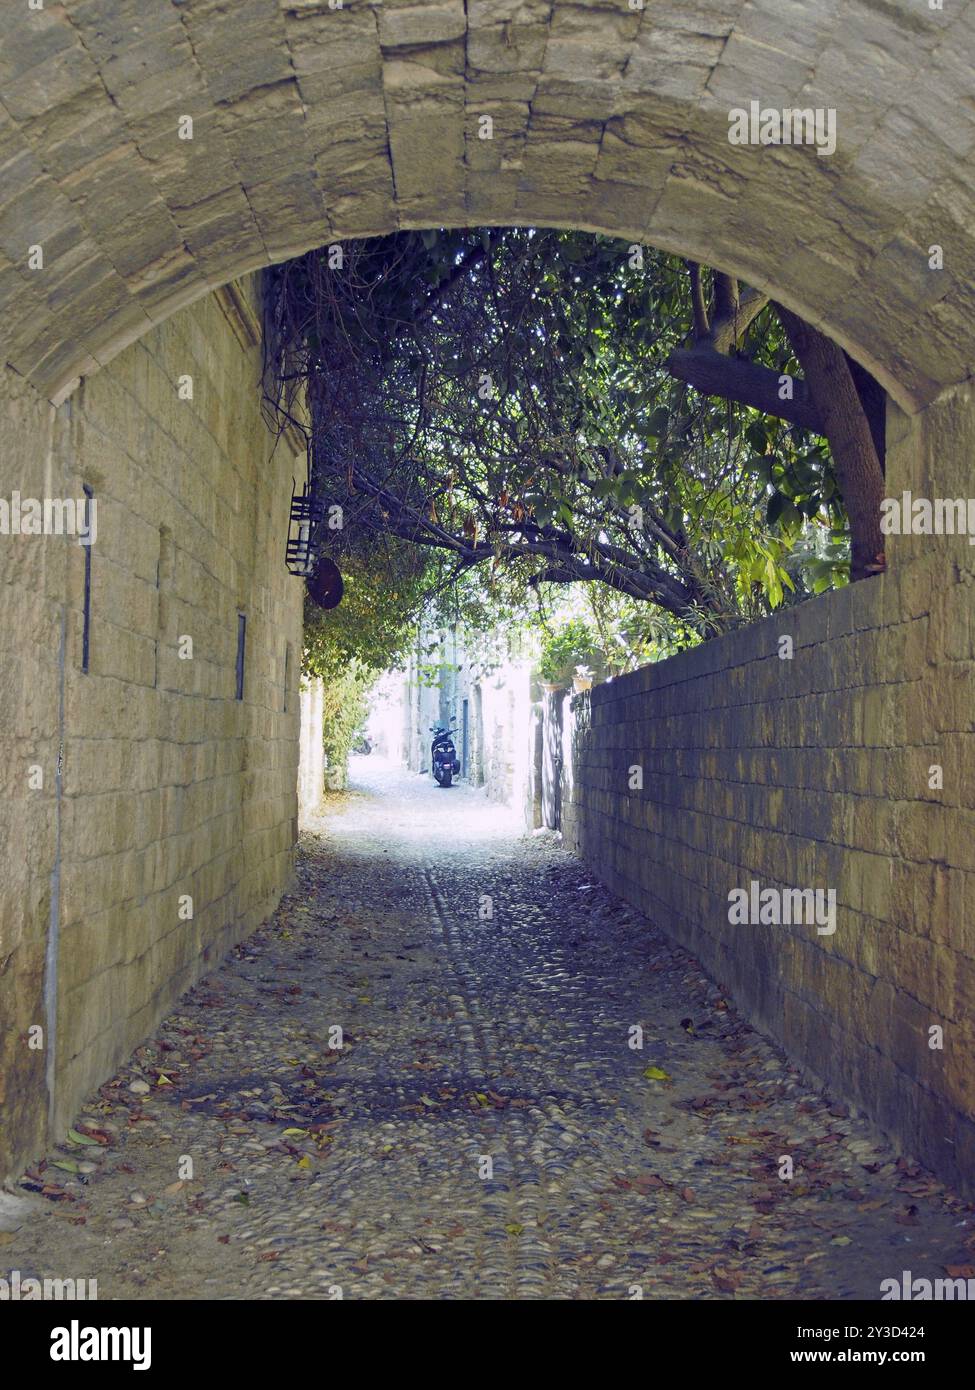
(445, 780)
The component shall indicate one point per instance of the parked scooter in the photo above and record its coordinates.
(443, 755)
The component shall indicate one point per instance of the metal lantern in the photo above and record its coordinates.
(325, 585)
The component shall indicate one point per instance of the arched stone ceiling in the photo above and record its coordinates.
(313, 123)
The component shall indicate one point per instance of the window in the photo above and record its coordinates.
(241, 642)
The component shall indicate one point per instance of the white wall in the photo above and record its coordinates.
(311, 766)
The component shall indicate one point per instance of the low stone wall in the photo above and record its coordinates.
(170, 787)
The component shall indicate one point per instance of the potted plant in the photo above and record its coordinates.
(582, 679)
(568, 654)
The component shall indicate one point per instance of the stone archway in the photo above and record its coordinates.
(313, 120)
(311, 123)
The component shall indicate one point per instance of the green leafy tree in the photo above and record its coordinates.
(570, 645)
(370, 631)
(510, 401)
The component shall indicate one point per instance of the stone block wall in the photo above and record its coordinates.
(818, 772)
(171, 787)
(32, 578)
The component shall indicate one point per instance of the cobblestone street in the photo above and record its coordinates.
(486, 1130)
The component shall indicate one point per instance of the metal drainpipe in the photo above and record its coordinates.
(54, 919)
(54, 923)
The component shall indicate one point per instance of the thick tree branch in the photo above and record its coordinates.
(725, 297)
(732, 315)
(734, 378)
(729, 329)
(441, 291)
(634, 583)
(628, 574)
(702, 324)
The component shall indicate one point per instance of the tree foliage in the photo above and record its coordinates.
(385, 590)
(504, 402)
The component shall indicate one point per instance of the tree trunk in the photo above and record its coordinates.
(873, 398)
(845, 423)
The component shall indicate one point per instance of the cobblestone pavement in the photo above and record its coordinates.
(486, 1130)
